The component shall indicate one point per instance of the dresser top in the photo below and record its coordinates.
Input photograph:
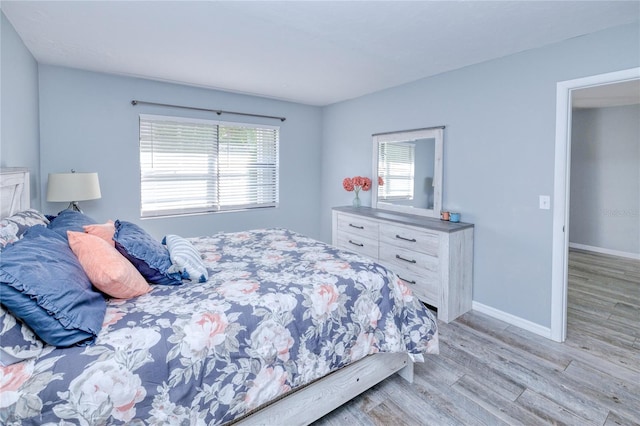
(407, 219)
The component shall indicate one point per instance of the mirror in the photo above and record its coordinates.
(408, 166)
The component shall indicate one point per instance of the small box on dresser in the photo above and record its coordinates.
(434, 257)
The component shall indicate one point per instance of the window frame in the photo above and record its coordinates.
(213, 204)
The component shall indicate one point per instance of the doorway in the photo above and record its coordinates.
(560, 250)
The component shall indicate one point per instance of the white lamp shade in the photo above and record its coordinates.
(68, 187)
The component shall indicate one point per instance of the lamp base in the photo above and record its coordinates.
(73, 206)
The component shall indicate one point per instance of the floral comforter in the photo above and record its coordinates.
(279, 311)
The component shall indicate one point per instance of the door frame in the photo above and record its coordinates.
(561, 189)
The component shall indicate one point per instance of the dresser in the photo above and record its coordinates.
(434, 257)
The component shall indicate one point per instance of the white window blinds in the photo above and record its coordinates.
(195, 166)
(396, 168)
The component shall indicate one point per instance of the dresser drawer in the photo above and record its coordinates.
(400, 259)
(413, 239)
(358, 226)
(423, 287)
(359, 244)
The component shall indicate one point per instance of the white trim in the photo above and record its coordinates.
(560, 245)
(512, 319)
(605, 251)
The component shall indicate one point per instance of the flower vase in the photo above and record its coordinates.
(356, 201)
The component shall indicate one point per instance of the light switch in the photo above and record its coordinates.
(545, 202)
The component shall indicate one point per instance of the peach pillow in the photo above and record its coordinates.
(104, 231)
(108, 270)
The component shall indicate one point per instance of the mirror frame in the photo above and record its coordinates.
(436, 133)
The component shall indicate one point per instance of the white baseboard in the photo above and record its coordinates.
(512, 319)
(605, 251)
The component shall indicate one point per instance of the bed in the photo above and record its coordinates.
(283, 330)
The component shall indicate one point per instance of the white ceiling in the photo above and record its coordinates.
(312, 52)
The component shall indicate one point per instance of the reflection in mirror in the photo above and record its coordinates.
(409, 169)
(406, 172)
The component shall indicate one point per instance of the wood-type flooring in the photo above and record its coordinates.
(492, 373)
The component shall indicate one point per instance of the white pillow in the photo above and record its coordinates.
(13, 227)
(185, 259)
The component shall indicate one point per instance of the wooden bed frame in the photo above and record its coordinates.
(14, 190)
(310, 403)
(299, 407)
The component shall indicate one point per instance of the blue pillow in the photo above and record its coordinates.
(185, 259)
(44, 285)
(17, 341)
(69, 220)
(149, 257)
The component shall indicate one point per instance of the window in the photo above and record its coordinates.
(396, 168)
(196, 166)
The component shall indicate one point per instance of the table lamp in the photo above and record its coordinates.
(73, 187)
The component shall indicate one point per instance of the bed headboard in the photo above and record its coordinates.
(14, 190)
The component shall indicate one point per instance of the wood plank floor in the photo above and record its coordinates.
(492, 373)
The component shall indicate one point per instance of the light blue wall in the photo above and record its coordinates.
(19, 135)
(499, 154)
(88, 123)
(605, 178)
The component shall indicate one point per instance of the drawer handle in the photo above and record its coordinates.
(356, 226)
(407, 281)
(411, 240)
(406, 260)
(356, 244)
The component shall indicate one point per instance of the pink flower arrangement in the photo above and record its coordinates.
(356, 183)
